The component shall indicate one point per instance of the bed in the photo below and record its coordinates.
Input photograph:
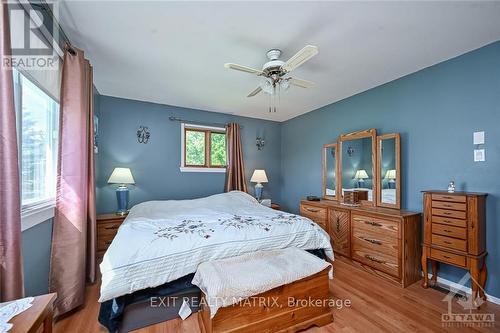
(161, 242)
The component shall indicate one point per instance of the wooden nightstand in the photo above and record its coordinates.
(40, 314)
(275, 206)
(107, 226)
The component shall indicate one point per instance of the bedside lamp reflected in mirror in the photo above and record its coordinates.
(259, 176)
(361, 175)
(391, 175)
(122, 177)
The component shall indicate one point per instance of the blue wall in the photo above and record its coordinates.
(436, 110)
(155, 166)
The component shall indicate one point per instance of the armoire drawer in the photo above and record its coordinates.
(449, 258)
(449, 205)
(456, 214)
(449, 197)
(449, 221)
(449, 242)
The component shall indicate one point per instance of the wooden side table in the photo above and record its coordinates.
(107, 227)
(275, 206)
(40, 313)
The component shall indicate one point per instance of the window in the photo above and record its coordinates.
(37, 117)
(203, 149)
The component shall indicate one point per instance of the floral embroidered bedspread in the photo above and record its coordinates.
(161, 241)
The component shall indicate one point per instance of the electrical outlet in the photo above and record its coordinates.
(479, 155)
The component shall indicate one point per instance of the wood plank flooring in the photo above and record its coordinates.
(377, 306)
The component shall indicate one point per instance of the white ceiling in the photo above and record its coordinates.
(173, 52)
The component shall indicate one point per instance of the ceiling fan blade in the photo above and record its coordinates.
(300, 57)
(243, 68)
(301, 83)
(255, 92)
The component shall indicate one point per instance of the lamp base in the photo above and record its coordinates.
(258, 191)
(361, 183)
(122, 195)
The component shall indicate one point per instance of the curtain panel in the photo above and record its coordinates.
(235, 171)
(74, 229)
(11, 270)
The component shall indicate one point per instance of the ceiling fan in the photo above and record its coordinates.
(274, 72)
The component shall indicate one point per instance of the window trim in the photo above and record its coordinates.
(42, 210)
(200, 168)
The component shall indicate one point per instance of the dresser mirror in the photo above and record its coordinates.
(357, 165)
(388, 171)
(330, 171)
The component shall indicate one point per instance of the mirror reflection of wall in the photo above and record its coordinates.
(331, 183)
(357, 172)
(388, 170)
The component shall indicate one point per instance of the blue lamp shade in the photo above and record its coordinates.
(122, 177)
(259, 176)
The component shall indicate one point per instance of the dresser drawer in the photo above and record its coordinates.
(378, 260)
(449, 205)
(450, 258)
(449, 221)
(375, 226)
(313, 212)
(450, 231)
(452, 243)
(449, 213)
(376, 242)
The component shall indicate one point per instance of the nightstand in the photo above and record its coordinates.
(38, 318)
(275, 206)
(107, 227)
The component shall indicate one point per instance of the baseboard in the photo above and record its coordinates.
(450, 284)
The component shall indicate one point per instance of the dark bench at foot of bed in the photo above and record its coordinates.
(289, 308)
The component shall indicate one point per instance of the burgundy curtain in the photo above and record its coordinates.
(235, 173)
(74, 229)
(11, 270)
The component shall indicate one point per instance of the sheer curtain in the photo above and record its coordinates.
(74, 229)
(11, 271)
(235, 172)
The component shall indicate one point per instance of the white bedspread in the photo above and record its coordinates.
(161, 241)
(228, 281)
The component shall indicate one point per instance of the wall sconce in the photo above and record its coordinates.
(259, 142)
(350, 151)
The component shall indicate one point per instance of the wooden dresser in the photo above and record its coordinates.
(107, 226)
(455, 234)
(383, 241)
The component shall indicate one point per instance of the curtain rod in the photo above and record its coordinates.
(172, 118)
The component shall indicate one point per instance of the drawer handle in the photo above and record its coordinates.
(375, 224)
(446, 213)
(112, 227)
(373, 241)
(447, 197)
(447, 242)
(312, 210)
(447, 205)
(369, 257)
(446, 257)
(338, 224)
(446, 230)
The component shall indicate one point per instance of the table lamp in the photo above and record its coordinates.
(122, 177)
(361, 175)
(391, 175)
(259, 176)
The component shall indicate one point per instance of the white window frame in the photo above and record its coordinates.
(183, 142)
(42, 210)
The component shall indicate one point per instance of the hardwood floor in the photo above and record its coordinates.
(377, 306)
